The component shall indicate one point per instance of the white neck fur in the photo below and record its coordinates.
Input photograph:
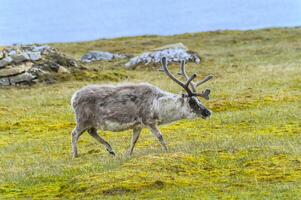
(171, 108)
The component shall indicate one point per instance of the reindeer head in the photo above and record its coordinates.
(190, 99)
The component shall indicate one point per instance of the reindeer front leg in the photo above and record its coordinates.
(135, 137)
(154, 129)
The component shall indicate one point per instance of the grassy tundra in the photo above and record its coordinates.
(249, 149)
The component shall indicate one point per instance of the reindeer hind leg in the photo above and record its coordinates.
(94, 134)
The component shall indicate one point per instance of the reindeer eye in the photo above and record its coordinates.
(192, 102)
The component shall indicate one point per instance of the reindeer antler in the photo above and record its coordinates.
(204, 94)
(193, 85)
(172, 77)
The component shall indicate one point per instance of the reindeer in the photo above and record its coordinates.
(135, 106)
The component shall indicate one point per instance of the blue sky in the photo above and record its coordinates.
(77, 20)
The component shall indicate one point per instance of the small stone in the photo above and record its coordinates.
(25, 77)
(119, 56)
(52, 66)
(44, 50)
(63, 70)
(4, 82)
(13, 70)
(40, 48)
(5, 61)
(20, 57)
(12, 52)
(34, 56)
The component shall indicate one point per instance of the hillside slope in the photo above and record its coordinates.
(249, 149)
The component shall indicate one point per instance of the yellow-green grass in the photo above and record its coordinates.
(249, 149)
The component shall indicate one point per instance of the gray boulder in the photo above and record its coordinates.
(17, 58)
(5, 61)
(40, 49)
(100, 55)
(34, 56)
(11, 52)
(172, 55)
(21, 78)
(4, 81)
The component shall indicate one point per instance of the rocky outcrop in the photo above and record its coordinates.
(29, 64)
(100, 55)
(13, 70)
(173, 53)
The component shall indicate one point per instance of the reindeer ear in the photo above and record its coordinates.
(205, 94)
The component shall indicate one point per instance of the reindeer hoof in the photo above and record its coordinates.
(74, 155)
(128, 154)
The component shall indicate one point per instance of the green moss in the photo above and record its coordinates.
(88, 75)
(247, 102)
(107, 75)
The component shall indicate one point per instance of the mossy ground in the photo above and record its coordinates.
(249, 149)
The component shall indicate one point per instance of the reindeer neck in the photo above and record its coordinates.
(169, 108)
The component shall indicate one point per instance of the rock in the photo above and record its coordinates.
(34, 56)
(60, 59)
(32, 63)
(5, 61)
(1, 54)
(13, 70)
(63, 70)
(100, 55)
(38, 71)
(172, 55)
(17, 58)
(12, 52)
(119, 56)
(22, 78)
(40, 49)
(50, 66)
(4, 81)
